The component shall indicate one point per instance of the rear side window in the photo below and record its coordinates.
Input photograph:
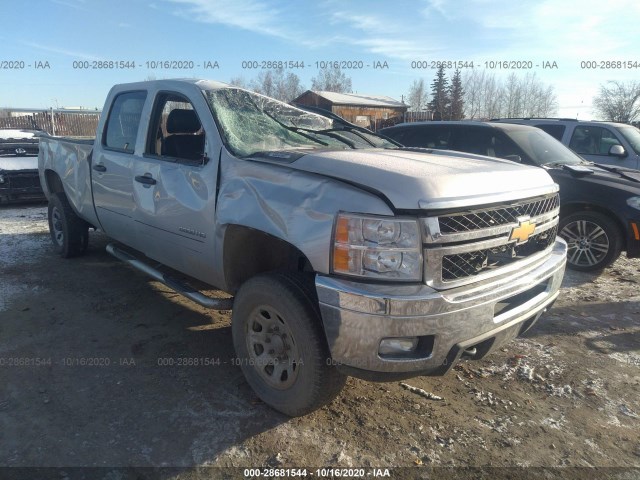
(480, 141)
(422, 136)
(123, 122)
(555, 130)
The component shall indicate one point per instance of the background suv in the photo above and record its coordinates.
(608, 143)
(599, 207)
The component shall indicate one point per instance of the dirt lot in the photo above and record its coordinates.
(84, 380)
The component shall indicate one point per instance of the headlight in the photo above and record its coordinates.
(634, 202)
(377, 247)
(1, 178)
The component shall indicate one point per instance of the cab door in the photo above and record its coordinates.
(593, 143)
(174, 186)
(112, 167)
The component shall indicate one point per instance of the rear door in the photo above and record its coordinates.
(174, 185)
(112, 166)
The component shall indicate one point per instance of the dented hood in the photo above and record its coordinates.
(419, 180)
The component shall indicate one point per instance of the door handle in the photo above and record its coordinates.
(98, 167)
(144, 179)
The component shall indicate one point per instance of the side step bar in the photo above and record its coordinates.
(172, 283)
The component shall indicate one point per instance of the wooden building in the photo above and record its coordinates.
(369, 111)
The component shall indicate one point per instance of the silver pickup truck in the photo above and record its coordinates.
(345, 253)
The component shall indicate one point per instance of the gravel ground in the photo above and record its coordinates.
(86, 379)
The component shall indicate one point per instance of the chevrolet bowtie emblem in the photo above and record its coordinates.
(523, 231)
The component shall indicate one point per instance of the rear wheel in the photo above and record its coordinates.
(594, 241)
(280, 344)
(69, 233)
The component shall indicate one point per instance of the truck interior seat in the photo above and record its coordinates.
(185, 138)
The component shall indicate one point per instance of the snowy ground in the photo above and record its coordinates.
(84, 380)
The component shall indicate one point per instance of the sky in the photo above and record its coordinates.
(46, 45)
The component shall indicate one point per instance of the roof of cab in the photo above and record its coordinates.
(203, 84)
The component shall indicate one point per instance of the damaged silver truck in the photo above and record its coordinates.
(345, 254)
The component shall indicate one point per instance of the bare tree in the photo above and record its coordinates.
(264, 83)
(537, 98)
(238, 82)
(289, 88)
(473, 80)
(492, 96)
(418, 96)
(331, 80)
(276, 84)
(512, 96)
(483, 94)
(618, 101)
(486, 96)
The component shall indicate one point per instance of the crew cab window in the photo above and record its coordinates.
(592, 140)
(124, 120)
(175, 129)
(555, 130)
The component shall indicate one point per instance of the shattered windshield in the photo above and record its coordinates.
(252, 123)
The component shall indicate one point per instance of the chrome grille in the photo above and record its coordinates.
(493, 217)
(467, 264)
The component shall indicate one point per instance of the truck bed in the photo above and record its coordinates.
(69, 157)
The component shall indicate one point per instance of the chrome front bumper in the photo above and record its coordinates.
(485, 314)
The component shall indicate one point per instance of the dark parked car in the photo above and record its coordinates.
(19, 165)
(599, 204)
(615, 144)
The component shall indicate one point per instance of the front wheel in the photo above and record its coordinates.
(69, 233)
(280, 344)
(594, 241)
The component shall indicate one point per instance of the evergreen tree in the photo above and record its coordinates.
(439, 103)
(456, 96)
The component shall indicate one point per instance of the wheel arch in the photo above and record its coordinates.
(248, 252)
(53, 182)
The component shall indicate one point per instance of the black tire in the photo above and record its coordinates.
(69, 233)
(594, 240)
(281, 346)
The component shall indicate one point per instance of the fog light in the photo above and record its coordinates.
(390, 346)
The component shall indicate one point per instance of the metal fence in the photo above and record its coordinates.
(66, 123)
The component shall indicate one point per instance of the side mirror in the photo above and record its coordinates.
(617, 151)
(513, 158)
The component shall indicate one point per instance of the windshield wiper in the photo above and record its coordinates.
(330, 132)
(624, 173)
